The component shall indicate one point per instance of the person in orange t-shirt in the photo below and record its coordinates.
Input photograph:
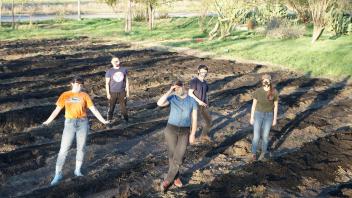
(76, 103)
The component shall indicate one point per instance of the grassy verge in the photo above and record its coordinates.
(328, 57)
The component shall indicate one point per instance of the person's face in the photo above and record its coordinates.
(266, 83)
(115, 62)
(179, 90)
(76, 87)
(203, 73)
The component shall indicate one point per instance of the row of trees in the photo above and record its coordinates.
(230, 13)
(150, 6)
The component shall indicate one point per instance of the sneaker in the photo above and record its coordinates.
(254, 157)
(56, 179)
(178, 183)
(78, 173)
(164, 186)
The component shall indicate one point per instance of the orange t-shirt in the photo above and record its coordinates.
(75, 104)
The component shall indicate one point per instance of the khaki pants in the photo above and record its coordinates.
(203, 111)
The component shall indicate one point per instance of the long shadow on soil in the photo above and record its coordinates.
(34, 157)
(323, 98)
(317, 160)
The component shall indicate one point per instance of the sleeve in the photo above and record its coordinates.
(170, 98)
(194, 105)
(88, 101)
(276, 95)
(107, 74)
(193, 84)
(255, 95)
(61, 101)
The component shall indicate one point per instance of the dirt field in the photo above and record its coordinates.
(311, 148)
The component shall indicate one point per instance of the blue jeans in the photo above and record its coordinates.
(78, 127)
(262, 122)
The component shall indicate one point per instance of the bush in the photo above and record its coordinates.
(284, 30)
(339, 22)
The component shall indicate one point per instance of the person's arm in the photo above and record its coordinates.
(127, 87)
(276, 107)
(162, 102)
(194, 126)
(191, 93)
(98, 115)
(53, 115)
(254, 105)
(107, 87)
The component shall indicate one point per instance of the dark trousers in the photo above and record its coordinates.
(207, 118)
(121, 98)
(177, 141)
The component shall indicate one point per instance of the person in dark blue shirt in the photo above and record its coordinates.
(198, 89)
(117, 88)
(181, 128)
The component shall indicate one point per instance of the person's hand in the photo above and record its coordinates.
(46, 123)
(108, 96)
(192, 139)
(173, 87)
(274, 122)
(106, 122)
(201, 103)
(251, 121)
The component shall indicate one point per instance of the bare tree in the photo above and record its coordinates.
(13, 14)
(128, 18)
(79, 9)
(128, 11)
(0, 13)
(319, 10)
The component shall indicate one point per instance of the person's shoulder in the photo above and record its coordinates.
(66, 93)
(257, 90)
(191, 99)
(85, 94)
(109, 70)
(276, 91)
(171, 97)
(195, 79)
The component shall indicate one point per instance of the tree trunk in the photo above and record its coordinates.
(151, 16)
(0, 12)
(317, 32)
(319, 10)
(128, 21)
(147, 12)
(79, 10)
(13, 14)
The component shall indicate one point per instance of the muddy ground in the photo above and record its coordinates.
(311, 147)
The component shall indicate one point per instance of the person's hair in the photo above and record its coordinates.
(178, 83)
(202, 67)
(77, 79)
(270, 95)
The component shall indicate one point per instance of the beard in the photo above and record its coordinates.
(180, 92)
